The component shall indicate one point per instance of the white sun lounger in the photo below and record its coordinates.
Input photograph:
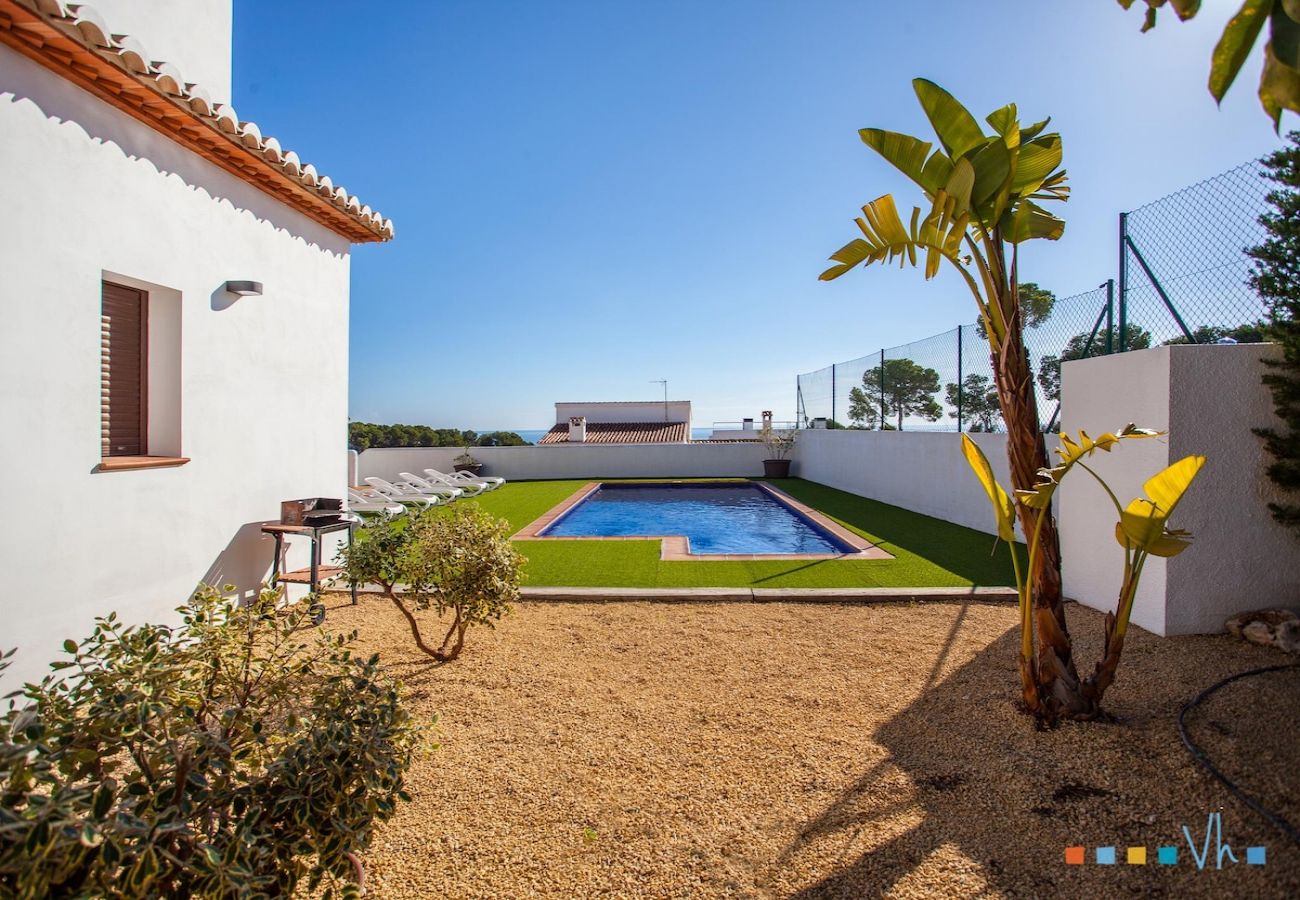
(424, 484)
(405, 493)
(368, 501)
(460, 479)
(470, 488)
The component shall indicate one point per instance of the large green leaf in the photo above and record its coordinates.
(1004, 120)
(847, 257)
(1279, 88)
(1235, 44)
(992, 169)
(959, 185)
(1142, 524)
(1004, 511)
(955, 126)
(1033, 131)
(937, 169)
(1027, 221)
(885, 238)
(1279, 85)
(1284, 36)
(1037, 160)
(904, 152)
(1166, 488)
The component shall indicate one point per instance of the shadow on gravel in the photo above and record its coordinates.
(985, 786)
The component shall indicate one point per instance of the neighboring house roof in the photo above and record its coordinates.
(73, 41)
(622, 433)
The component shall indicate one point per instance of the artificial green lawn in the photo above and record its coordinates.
(929, 552)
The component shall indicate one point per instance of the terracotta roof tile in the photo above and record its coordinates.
(623, 433)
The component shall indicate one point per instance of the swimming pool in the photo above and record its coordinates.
(714, 519)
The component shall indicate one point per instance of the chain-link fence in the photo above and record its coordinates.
(1183, 270)
(945, 382)
(1183, 277)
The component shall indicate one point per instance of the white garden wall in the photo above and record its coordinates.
(547, 461)
(921, 471)
(258, 385)
(1207, 398)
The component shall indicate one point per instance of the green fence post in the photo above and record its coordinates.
(882, 388)
(832, 392)
(1123, 282)
(1110, 315)
(960, 385)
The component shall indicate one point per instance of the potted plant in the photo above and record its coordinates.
(779, 443)
(467, 463)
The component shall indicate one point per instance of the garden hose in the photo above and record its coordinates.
(1200, 757)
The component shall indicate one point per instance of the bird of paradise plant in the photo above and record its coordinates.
(983, 192)
(1142, 530)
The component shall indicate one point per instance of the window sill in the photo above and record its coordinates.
(116, 463)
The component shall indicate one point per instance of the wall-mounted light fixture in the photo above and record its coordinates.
(245, 288)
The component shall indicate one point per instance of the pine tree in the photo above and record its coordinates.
(1276, 278)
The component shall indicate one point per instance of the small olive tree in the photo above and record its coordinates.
(459, 561)
(238, 754)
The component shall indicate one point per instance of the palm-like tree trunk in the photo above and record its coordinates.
(1053, 670)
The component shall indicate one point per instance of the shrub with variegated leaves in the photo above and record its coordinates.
(241, 753)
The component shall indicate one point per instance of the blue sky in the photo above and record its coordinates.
(592, 195)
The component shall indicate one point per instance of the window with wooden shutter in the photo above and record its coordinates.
(123, 360)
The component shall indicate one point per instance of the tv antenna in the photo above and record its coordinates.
(664, 382)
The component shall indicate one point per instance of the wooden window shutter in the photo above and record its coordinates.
(123, 361)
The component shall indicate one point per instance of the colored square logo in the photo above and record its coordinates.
(1137, 856)
(1105, 856)
(1074, 856)
(1167, 856)
(1256, 856)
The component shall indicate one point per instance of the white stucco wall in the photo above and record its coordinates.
(88, 191)
(193, 35)
(577, 461)
(1207, 398)
(921, 471)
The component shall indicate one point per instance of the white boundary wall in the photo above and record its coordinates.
(577, 461)
(921, 471)
(1208, 398)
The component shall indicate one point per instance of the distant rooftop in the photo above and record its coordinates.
(623, 433)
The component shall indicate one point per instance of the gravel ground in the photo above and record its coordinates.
(775, 750)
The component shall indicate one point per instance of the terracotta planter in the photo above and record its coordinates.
(776, 468)
(474, 469)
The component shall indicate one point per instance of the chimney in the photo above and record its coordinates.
(767, 418)
(577, 428)
(747, 425)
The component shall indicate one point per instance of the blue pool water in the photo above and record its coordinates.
(723, 518)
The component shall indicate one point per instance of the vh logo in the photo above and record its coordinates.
(1212, 849)
(1255, 856)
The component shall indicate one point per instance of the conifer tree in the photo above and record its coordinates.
(1276, 278)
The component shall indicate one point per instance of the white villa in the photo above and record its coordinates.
(174, 356)
(621, 422)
